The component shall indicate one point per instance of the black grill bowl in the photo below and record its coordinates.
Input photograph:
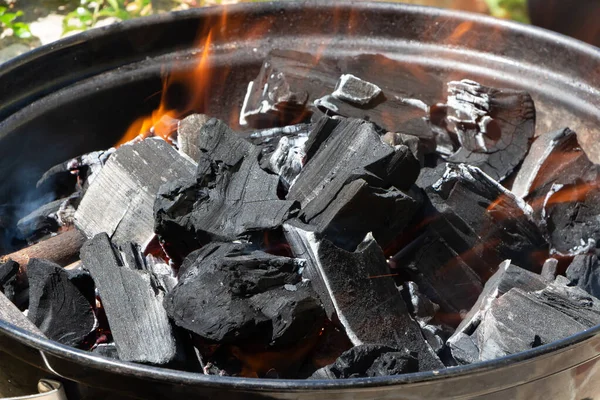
(81, 93)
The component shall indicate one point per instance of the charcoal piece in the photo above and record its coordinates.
(419, 147)
(9, 313)
(509, 276)
(464, 348)
(357, 288)
(279, 94)
(584, 273)
(354, 150)
(133, 305)
(266, 139)
(162, 271)
(120, 200)
(56, 305)
(84, 282)
(66, 212)
(503, 331)
(286, 160)
(570, 214)
(549, 269)
(428, 175)
(359, 209)
(369, 360)
(321, 131)
(494, 126)
(554, 158)
(571, 301)
(40, 222)
(224, 204)
(221, 144)
(354, 90)
(8, 279)
(421, 308)
(188, 131)
(495, 223)
(227, 294)
(108, 350)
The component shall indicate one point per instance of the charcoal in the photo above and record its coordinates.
(509, 276)
(8, 279)
(221, 144)
(354, 150)
(419, 147)
(40, 222)
(84, 282)
(57, 306)
(494, 126)
(571, 301)
(133, 304)
(188, 131)
(359, 209)
(571, 216)
(268, 138)
(108, 350)
(286, 160)
(421, 308)
(494, 222)
(162, 271)
(66, 212)
(549, 269)
(224, 203)
(369, 360)
(428, 175)
(554, 158)
(10, 314)
(464, 348)
(322, 129)
(357, 288)
(354, 90)
(226, 294)
(120, 200)
(585, 273)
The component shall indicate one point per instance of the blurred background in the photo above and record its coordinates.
(26, 24)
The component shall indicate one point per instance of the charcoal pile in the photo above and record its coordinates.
(350, 230)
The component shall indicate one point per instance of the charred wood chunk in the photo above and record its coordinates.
(494, 126)
(279, 94)
(220, 143)
(286, 160)
(40, 222)
(354, 150)
(120, 200)
(188, 132)
(57, 306)
(354, 90)
(322, 129)
(223, 204)
(549, 269)
(496, 224)
(226, 294)
(585, 274)
(133, 304)
(369, 360)
(571, 215)
(267, 139)
(508, 276)
(358, 289)
(554, 158)
(421, 148)
(359, 209)
(8, 279)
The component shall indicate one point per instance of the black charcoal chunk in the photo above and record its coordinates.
(286, 160)
(584, 273)
(8, 279)
(108, 350)
(419, 147)
(422, 309)
(571, 301)
(188, 131)
(133, 304)
(40, 222)
(495, 223)
(56, 305)
(369, 360)
(120, 200)
(227, 294)
(494, 126)
(549, 269)
(359, 209)
(353, 150)
(267, 139)
(221, 144)
(354, 90)
(320, 132)
(358, 289)
(554, 158)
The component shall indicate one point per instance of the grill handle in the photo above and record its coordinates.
(48, 390)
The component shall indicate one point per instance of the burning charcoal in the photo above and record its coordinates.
(495, 224)
(120, 200)
(268, 138)
(286, 160)
(354, 150)
(8, 279)
(359, 209)
(571, 214)
(357, 287)
(509, 276)
(226, 294)
(40, 222)
(108, 350)
(419, 147)
(554, 158)
(369, 360)
(584, 273)
(57, 306)
(493, 126)
(11, 314)
(221, 144)
(188, 131)
(66, 212)
(354, 90)
(133, 304)
(549, 269)
(422, 309)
